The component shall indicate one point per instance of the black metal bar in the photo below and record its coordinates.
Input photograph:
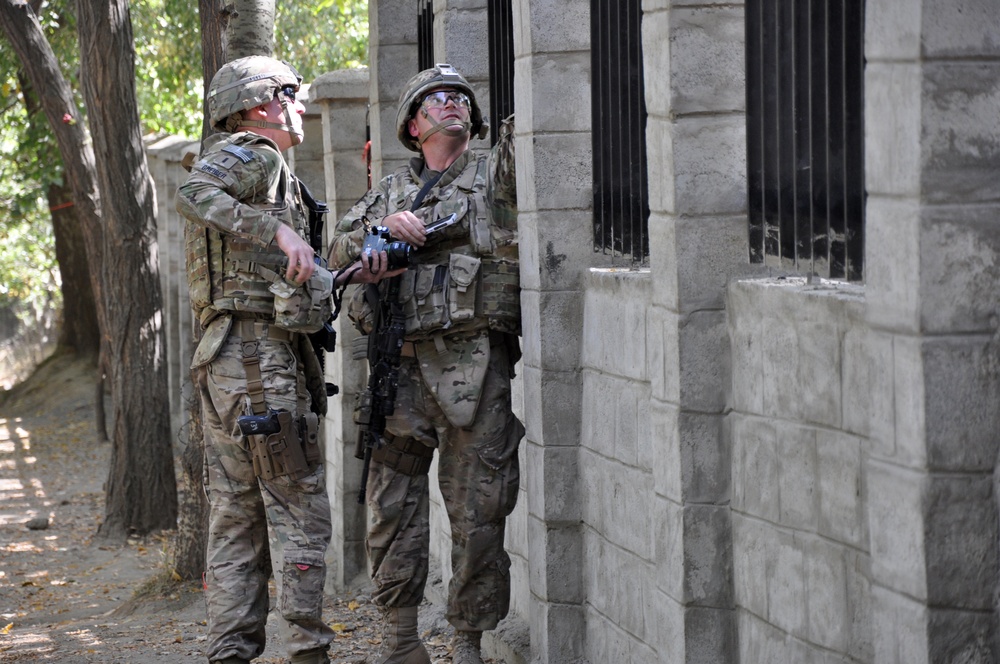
(425, 34)
(854, 74)
(805, 134)
(770, 182)
(802, 138)
(835, 140)
(621, 205)
(755, 130)
(501, 63)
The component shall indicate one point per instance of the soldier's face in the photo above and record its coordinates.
(273, 111)
(440, 105)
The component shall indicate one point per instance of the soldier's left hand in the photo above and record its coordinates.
(371, 269)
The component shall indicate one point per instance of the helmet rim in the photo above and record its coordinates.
(246, 83)
(439, 77)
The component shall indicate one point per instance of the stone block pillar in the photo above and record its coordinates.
(167, 174)
(392, 52)
(932, 150)
(696, 142)
(306, 159)
(341, 99)
(553, 145)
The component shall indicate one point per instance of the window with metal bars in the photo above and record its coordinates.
(805, 135)
(425, 34)
(501, 47)
(621, 195)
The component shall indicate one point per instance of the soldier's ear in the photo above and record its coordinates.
(412, 127)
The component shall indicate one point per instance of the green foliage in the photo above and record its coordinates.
(28, 270)
(168, 65)
(319, 36)
(316, 36)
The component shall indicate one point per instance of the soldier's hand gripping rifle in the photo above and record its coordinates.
(378, 401)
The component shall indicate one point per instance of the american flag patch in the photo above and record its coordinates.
(242, 154)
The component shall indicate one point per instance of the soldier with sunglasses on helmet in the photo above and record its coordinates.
(460, 298)
(258, 291)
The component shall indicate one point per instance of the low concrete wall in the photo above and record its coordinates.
(801, 358)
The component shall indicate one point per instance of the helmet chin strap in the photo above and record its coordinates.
(461, 128)
(286, 126)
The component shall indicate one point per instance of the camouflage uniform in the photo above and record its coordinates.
(461, 302)
(236, 195)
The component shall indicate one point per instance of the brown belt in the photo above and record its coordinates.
(270, 331)
(409, 348)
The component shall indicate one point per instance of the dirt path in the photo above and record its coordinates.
(66, 597)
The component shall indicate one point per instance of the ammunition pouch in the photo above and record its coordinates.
(198, 272)
(302, 308)
(292, 451)
(501, 294)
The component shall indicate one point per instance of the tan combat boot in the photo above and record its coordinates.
(465, 648)
(311, 657)
(400, 642)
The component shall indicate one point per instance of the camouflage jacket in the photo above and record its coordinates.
(234, 199)
(481, 190)
(463, 281)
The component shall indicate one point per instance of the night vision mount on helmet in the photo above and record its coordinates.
(246, 83)
(441, 75)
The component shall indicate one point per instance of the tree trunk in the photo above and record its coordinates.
(251, 29)
(215, 16)
(141, 488)
(79, 329)
(192, 524)
(24, 33)
(40, 65)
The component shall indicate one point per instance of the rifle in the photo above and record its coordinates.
(385, 344)
(378, 401)
(323, 340)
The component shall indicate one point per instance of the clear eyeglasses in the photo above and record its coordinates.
(440, 99)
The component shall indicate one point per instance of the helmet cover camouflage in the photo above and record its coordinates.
(246, 83)
(441, 75)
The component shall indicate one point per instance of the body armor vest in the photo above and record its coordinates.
(231, 274)
(466, 277)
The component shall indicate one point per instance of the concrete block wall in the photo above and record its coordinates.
(696, 137)
(717, 468)
(341, 102)
(164, 156)
(554, 180)
(617, 454)
(932, 83)
(801, 563)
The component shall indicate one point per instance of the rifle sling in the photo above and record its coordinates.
(371, 292)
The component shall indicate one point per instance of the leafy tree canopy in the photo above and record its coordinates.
(316, 36)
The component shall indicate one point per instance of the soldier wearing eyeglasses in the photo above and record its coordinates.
(461, 303)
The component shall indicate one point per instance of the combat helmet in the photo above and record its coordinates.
(441, 75)
(246, 83)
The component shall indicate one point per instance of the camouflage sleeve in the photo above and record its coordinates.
(501, 191)
(214, 193)
(350, 231)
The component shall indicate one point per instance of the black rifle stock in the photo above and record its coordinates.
(379, 399)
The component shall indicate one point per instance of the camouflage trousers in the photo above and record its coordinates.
(253, 521)
(478, 474)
